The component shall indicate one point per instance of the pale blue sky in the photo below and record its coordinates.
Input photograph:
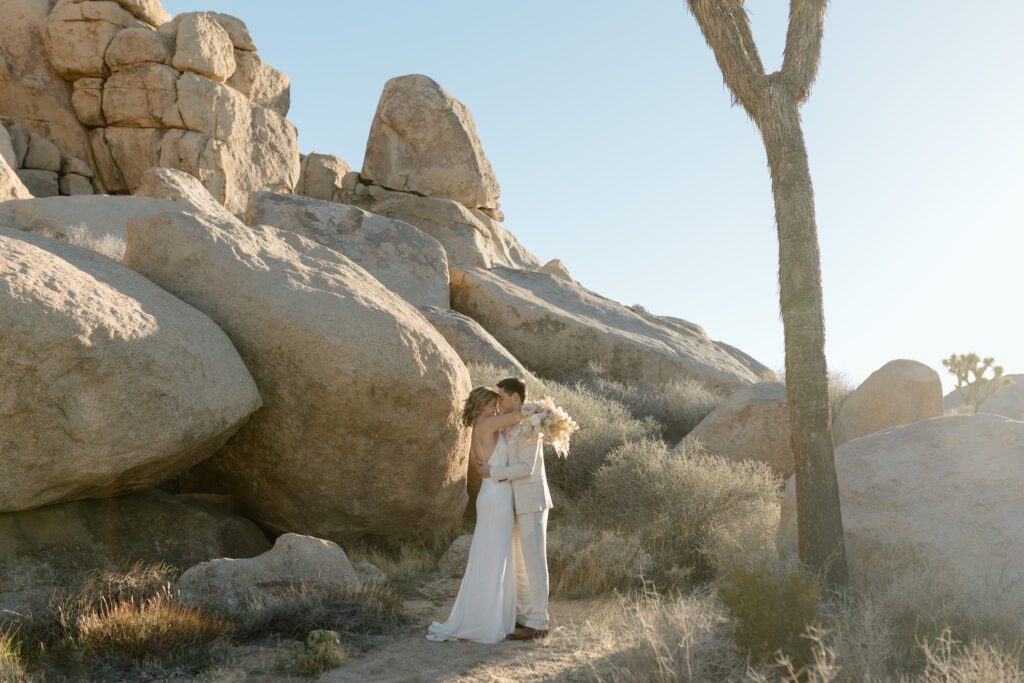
(618, 151)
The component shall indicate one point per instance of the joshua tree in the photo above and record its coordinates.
(773, 102)
(976, 391)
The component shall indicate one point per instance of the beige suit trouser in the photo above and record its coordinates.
(529, 547)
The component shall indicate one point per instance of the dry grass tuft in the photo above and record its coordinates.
(12, 669)
(109, 245)
(155, 633)
(299, 611)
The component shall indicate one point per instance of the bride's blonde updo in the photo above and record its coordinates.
(475, 402)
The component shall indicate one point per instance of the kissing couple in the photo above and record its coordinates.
(504, 590)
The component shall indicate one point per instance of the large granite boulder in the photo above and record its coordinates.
(261, 83)
(898, 393)
(472, 342)
(53, 547)
(359, 433)
(111, 385)
(1008, 402)
(98, 216)
(557, 328)
(228, 585)
(204, 47)
(454, 560)
(751, 424)
(405, 260)
(946, 490)
(423, 140)
(321, 177)
(469, 236)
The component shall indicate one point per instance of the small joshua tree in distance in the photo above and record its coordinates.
(975, 391)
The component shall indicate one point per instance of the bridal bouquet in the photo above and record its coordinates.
(546, 419)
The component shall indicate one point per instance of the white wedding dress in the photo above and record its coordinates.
(485, 609)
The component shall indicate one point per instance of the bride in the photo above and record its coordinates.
(485, 609)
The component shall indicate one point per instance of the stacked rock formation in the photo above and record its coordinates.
(189, 93)
(39, 163)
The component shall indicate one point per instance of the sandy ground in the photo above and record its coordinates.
(411, 657)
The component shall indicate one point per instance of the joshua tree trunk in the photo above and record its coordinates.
(773, 102)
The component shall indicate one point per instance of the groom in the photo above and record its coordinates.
(532, 500)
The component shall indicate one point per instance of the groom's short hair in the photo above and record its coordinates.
(514, 385)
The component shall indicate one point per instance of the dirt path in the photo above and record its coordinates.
(411, 657)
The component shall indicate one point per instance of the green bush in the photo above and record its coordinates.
(321, 652)
(694, 513)
(11, 667)
(604, 425)
(773, 611)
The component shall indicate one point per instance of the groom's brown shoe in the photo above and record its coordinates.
(527, 633)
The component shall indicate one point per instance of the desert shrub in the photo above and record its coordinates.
(676, 407)
(298, 611)
(12, 669)
(971, 384)
(157, 633)
(587, 563)
(604, 425)
(840, 386)
(694, 513)
(321, 652)
(772, 610)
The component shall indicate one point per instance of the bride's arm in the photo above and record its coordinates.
(496, 423)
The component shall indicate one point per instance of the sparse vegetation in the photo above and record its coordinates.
(587, 563)
(971, 384)
(676, 407)
(12, 669)
(694, 513)
(297, 612)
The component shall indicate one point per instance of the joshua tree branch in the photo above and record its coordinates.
(803, 46)
(726, 29)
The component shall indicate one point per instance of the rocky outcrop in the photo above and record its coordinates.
(31, 91)
(111, 385)
(469, 237)
(51, 547)
(405, 260)
(192, 96)
(359, 433)
(230, 585)
(11, 186)
(424, 141)
(898, 393)
(557, 328)
(472, 342)
(39, 164)
(945, 489)
(1008, 402)
(751, 424)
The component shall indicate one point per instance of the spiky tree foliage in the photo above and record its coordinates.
(976, 391)
(773, 102)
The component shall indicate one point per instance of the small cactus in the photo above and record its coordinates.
(975, 391)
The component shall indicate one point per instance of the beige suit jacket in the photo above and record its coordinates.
(525, 470)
